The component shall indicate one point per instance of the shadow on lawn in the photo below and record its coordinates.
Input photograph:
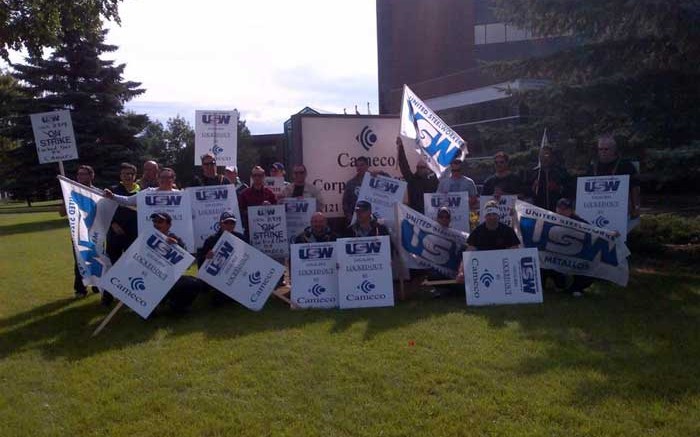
(62, 329)
(643, 341)
(23, 228)
(640, 342)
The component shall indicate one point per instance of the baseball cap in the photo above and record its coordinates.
(232, 168)
(491, 208)
(161, 216)
(444, 211)
(363, 205)
(227, 216)
(278, 166)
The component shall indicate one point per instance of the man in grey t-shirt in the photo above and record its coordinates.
(457, 183)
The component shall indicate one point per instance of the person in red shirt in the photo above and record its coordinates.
(255, 195)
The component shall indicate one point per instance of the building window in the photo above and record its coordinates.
(494, 33)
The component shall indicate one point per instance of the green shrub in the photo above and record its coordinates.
(657, 230)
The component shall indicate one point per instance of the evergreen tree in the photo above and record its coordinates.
(75, 77)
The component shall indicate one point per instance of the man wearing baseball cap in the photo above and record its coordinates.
(231, 173)
(227, 223)
(185, 290)
(366, 225)
(490, 235)
(444, 217)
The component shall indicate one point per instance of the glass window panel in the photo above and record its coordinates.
(495, 33)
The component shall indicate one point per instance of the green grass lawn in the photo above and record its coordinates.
(616, 362)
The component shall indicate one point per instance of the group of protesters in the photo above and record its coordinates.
(548, 185)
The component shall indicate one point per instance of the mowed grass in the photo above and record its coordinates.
(616, 362)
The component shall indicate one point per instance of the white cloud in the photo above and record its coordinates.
(267, 58)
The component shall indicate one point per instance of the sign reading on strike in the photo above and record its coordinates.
(54, 137)
(268, 230)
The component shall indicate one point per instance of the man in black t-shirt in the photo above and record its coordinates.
(490, 235)
(509, 182)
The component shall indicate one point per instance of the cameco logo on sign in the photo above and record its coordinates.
(211, 194)
(363, 248)
(367, 138)
(528, 275)
(216, 118)
(383, 185)
(598, 186)
(163, 199)
(164, 249)
(316, 253)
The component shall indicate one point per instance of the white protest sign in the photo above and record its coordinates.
(314, 275)
(54, 136)
(268, 230)
(332, 143)
(383, 193)
(602, 201)
(216, 132)
(457, 203)
(506, 208)
(274, 184)
(89, 215)
(146, 272)
(570, 246)
(364, 278)
(177, 204)
(496, 277)
(241, 272)
(299, 212)
(434, 139)
(207, 205)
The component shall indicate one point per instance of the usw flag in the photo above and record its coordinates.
(435, 141)
(89, 216)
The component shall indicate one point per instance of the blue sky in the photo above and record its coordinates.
(266, 58)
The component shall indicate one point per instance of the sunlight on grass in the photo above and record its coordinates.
(616, 362)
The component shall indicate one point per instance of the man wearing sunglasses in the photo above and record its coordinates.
(458, 183)
(210, 176)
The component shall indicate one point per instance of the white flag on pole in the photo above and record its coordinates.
(435, 141)
(89, 216)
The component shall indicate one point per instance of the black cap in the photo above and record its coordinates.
(363, 205)
(227, 216)
(565, 203)
(161, 216)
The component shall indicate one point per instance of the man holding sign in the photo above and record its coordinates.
(490, 235)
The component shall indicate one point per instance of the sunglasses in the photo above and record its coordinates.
(209, 163)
